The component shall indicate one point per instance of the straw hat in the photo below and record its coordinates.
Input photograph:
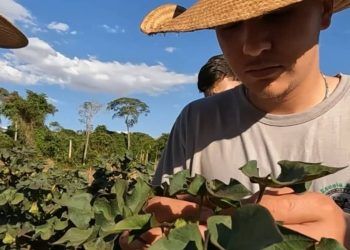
(205, 14)
(10, 36)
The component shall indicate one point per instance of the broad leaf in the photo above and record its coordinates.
(326, 244)
(99, 244)
(294, 174)
(45, 231)
(101, 205)
(135, 222)
(250, 169)
(119, 189)
(197, 183)
(178, 182)
(292, 240)
(233, 191)
(60, 224)
(79, 209)
(75, 236)
(139, 196)
(18, 197)
(185, 237)
(252, 227)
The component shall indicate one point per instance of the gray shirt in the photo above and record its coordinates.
(215, 136)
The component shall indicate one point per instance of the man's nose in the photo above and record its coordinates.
(256, 37)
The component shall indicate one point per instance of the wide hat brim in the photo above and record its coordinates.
(10, 36)
(206, 14)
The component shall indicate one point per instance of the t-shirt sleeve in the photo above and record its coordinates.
(173, 158)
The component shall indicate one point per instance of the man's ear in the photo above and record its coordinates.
(327, 13)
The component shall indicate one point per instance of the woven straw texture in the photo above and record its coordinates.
(10, 36)
(206, 14)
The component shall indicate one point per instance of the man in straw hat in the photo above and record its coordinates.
(286, 108)
(10, 36)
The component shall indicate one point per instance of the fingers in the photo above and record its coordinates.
(312, 214)
(298, 208)
(168, 210)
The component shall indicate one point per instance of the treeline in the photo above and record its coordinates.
(68, 147)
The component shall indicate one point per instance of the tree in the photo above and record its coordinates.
(130, 109)
(26, 114)
(87, 112)
(3, 94)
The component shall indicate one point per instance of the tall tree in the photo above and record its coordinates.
(28, 113)
(87, 112)
(130, 109)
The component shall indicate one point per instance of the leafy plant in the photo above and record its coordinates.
(54, 208)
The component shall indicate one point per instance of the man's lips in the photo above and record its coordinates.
(263, 71)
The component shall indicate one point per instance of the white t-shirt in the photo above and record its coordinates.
(215, 136)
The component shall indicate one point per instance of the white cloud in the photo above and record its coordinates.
(113, 30)
(52, 101)
(74, 32)
(59, 27)
(40, 63)
(15, 12)
(170, 49)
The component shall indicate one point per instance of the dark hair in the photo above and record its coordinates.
(214, 70)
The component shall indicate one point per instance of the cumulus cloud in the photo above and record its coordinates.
(40, 63)
(113, 30)
(15, 12)
(57, 26)
(170, 49)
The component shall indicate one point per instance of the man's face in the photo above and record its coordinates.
(273, 53)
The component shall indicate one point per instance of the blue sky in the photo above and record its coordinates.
(93, 50)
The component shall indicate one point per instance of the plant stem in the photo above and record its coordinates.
(261, 192)
(200, 207)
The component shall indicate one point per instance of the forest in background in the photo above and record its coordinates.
(90, 146)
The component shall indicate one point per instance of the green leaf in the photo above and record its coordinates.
(250, 169)
(233, 191)
(294, 174)
(119, 189)
(7, 196)
(139, 196)
(60, 224)
(326, 244)
(45, 231)
(178, 182)
(75, 236)
(17, 199)
(79, 209)
(252, 227)
(135, 222)
(197, 183)
(185, 237)
(8, 239)
(292, 240)
(180, 223)
(219, 227)
(101, 205)
(99, 244)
